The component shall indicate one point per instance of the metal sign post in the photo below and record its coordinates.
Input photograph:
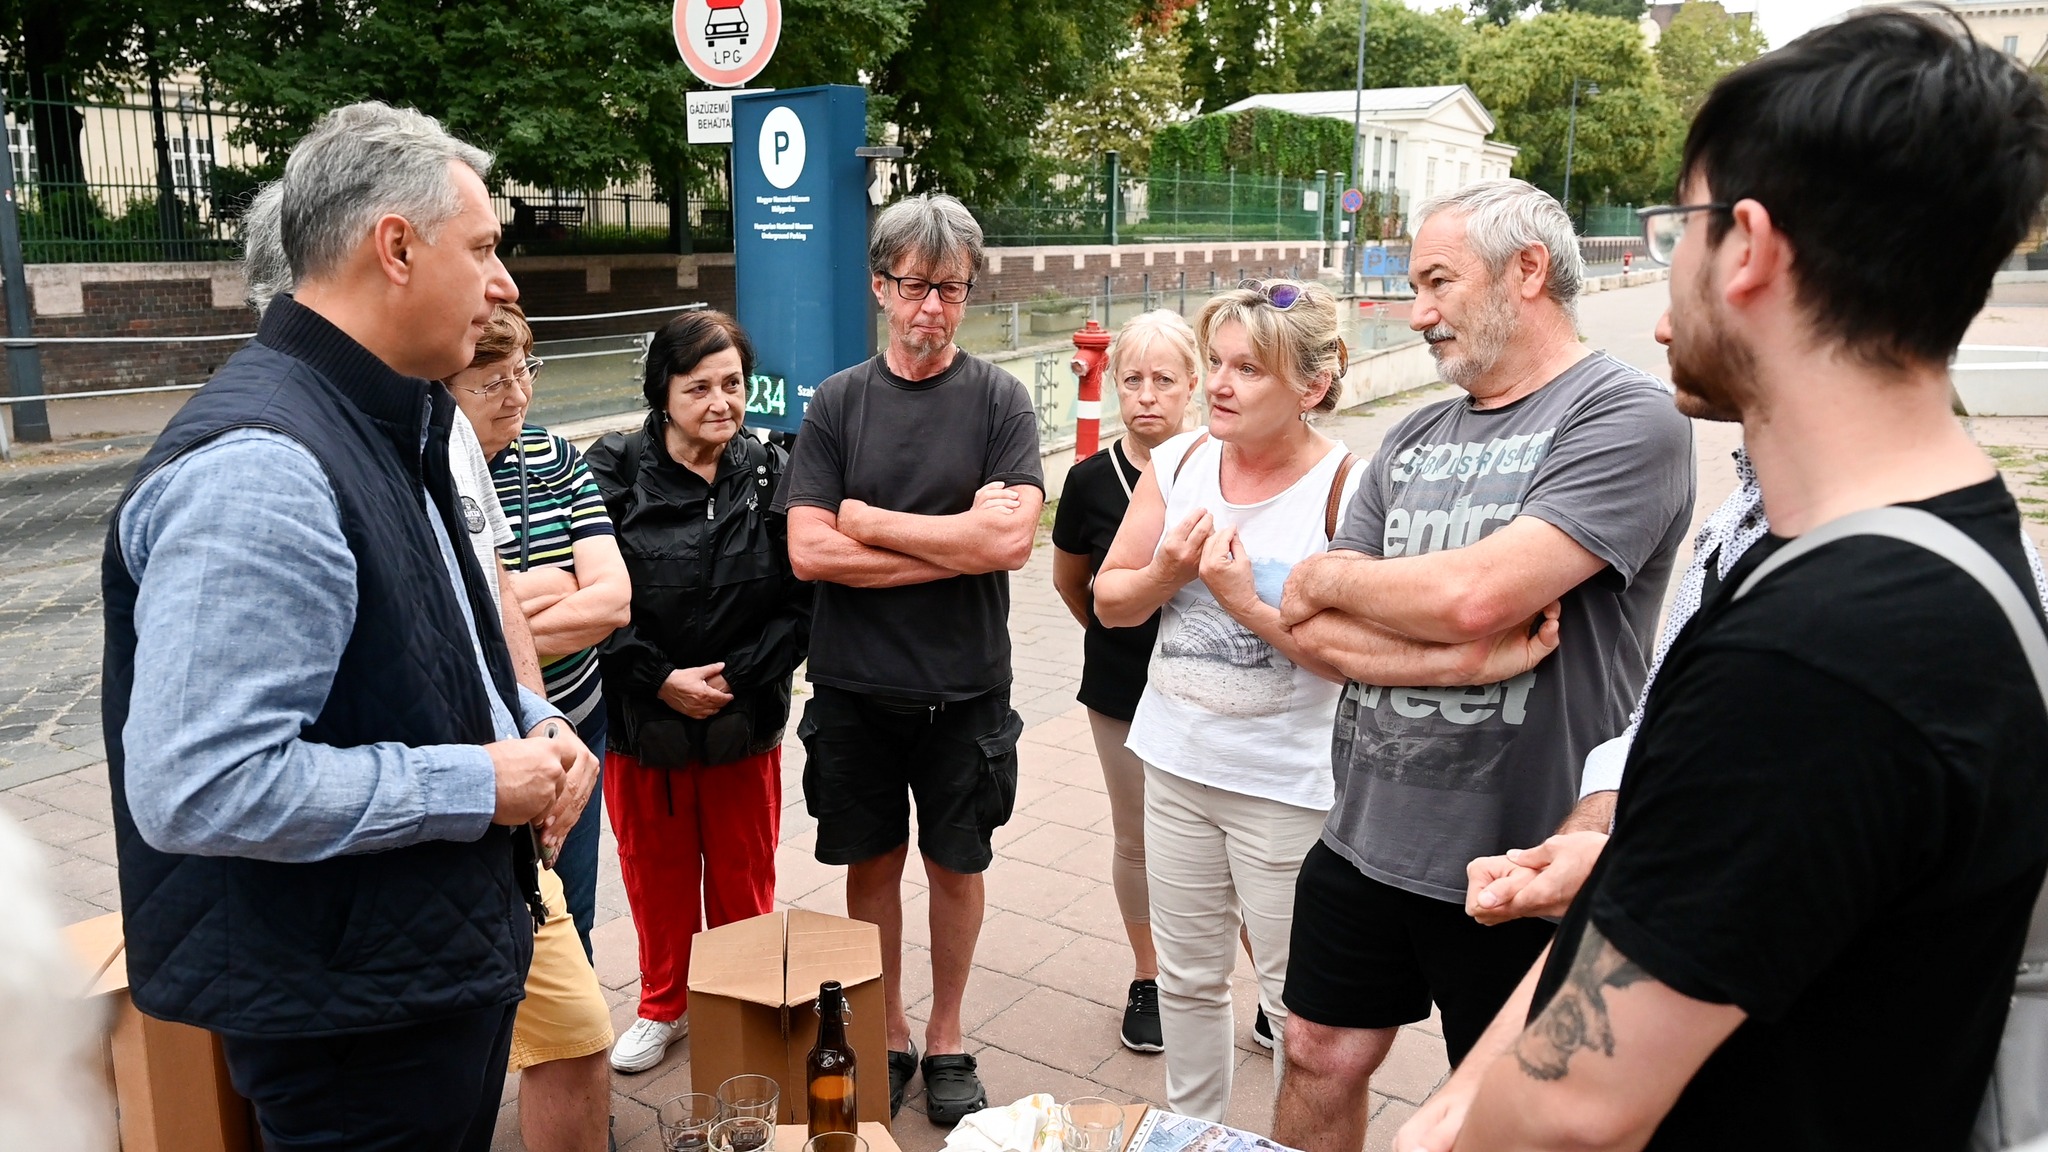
(24, 361)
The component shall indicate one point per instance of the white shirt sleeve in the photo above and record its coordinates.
(1604, 764)
(489, 530)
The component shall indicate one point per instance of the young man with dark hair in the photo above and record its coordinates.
(1834, 820)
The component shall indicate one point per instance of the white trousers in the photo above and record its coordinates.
(1216, 859)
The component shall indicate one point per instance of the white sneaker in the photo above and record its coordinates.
(646, 1042)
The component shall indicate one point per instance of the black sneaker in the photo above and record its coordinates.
(952, 1089)
(902, 1066)
(1262, 1030)
(1141, 1018)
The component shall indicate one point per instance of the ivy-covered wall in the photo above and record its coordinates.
(1260, 140)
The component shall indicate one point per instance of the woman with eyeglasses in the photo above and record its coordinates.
(1233, 725)
(563, 562)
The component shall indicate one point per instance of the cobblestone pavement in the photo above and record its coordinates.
(1044, 1001)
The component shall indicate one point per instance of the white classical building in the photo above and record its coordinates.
(2018, 28)
(1417, 141)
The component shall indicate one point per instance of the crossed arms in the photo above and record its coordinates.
(863, 546)
(1471, 615)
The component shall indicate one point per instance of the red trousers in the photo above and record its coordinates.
(697, 847)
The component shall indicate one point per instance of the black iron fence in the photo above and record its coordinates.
(140, 173)
(1073, 206)
(148, 171)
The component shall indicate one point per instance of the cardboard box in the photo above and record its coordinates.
(753, 988)
(170, 1080)
(793, 1137)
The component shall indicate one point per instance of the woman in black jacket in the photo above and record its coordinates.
(697, 686)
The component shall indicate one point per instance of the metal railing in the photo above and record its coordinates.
(581, 381)
(146, 172)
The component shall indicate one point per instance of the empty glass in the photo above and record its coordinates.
(686, 1122)
(743, 1134)
(1093, 1124)
(749, 1094)
(835, 1142)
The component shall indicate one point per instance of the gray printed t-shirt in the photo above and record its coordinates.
(1429, 778)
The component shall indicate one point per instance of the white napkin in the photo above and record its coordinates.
(1032, 1124)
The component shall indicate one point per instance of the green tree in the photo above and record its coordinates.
(972, 81)
(569, 93)
(1136, 96)
(1704, 43)
(1503, 12)
(59, 54)
(1403, 48)
(1523, 73)
(1238, 48)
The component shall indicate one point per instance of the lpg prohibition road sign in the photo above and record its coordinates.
(1353, 200)
(727, 42)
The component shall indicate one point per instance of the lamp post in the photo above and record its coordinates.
(1355, 173)
(1571, 133)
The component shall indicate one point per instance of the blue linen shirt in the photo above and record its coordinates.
(247, 605)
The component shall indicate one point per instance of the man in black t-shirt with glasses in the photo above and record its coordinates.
(1834, 820)
(913, 491)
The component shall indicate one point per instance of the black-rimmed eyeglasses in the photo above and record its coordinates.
(1664, 226)
(917, 288)
(525, 374)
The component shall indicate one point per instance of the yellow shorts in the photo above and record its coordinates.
(564, 1014)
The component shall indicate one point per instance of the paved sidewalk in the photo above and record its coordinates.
(1046, 996)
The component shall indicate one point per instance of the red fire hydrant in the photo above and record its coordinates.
(1091, 352)
(1627, 258)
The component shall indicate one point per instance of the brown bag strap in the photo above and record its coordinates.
(1188, 455)
(1336, 501)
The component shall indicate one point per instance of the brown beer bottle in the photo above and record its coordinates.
(829, 1072)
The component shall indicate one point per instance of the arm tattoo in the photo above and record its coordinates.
(1576, 1018)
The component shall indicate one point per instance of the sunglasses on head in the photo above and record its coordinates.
(1281, 295)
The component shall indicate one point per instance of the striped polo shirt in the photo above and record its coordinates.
(561, 505)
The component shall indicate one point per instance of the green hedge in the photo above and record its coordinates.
(1265, 141)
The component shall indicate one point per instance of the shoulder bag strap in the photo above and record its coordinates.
(1189, 454)
(1336, 502)
(1949, 542)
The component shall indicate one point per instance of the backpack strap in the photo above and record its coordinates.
(1189, 454)
(1336, 501)
(1938, 536)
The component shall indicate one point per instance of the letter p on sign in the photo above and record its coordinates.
(782, 147)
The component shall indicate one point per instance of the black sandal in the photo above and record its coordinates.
(952, 1089)
(902, 1066)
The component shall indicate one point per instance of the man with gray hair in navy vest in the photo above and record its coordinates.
(330, 794)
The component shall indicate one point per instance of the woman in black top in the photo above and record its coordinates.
(697, 686)
(1154, 366)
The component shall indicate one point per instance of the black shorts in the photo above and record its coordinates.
(866, 757)
(1369, 955)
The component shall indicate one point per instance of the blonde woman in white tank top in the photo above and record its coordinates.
(1233, 723)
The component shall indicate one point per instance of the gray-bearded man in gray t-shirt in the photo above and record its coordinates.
(1558, 489)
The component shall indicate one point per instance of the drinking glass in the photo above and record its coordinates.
(1093, 1124)
(686, 1121)
(749, 1094)
(743, 1134)
(835, 1142)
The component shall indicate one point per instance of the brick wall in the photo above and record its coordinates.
(1025, 273)
(207, 298)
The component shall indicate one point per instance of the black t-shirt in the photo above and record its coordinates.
(921, 447)
(1836, 818)
(1091, 509)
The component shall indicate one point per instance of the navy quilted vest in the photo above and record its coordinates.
(251, 947)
